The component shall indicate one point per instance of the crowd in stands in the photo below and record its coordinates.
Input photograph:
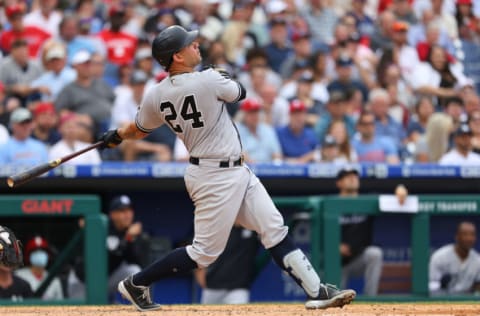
(393, 81)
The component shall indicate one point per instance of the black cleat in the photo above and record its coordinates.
(330, 296)
(139, 296)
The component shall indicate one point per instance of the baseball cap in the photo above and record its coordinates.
(275, 6)
(43, 107)
(138, 76)
(346, 170)
(463, 129)
(298, 35)
(20, 115)
(81, 57)
(116, 10)
(143, 53)
(297, 106)
(14, 9)
(55, 52)
(329, 141)
(250, 105)
(120, 202)
(399, 26)
(305, 76)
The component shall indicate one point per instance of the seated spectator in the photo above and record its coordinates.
(371, 147)
(396, 109)
(34, 35)
(45, 123)
(431, 146)
(405, 55)
(359, 256)
(336, 110)
(454, 268)
(298, 141)
(302, 49)
(86, 94)
(275, 108)
(70, 143)
(385, 125)
(259, 140)
(45, 16)
(37, 257)
(474, 122)
(417, 125)
(339, 131)
(344, 81)
(461, 154)
(13, 287)
(21, 149)
(58, 75)
(18, 71)
(278, 49)
(330, 151)
(73, 41)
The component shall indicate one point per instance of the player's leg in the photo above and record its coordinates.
(259, 213)
(217, 198)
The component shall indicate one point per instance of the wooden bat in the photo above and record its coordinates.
(30, 174)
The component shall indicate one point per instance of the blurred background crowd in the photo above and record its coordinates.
(393, 81)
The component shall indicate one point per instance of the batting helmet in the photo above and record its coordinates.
(169, 41)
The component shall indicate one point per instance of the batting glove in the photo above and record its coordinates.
(111, 139)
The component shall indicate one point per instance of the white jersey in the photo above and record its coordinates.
(193, 105)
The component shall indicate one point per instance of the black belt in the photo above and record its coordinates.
(221, 164)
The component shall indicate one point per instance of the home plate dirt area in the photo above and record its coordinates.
(271, 309)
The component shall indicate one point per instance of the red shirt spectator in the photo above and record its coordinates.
(121, 46)
(34, 36)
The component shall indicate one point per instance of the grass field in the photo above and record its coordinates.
(356, 309)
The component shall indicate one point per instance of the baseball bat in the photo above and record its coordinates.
(30, 174)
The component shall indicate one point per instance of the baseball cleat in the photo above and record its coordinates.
(330, 296)
(139, 296)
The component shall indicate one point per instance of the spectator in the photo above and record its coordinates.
(34, 36)
(336, 111)
(299, 60)
(338, 130)
(461, 154)
(385, 125)
(364, 23)
(298, 141)
(417, 125)
(259, 140)
(330, 151)
(471, 102)
(45, 16)
(45, 123)
(275, 108)
(431, 146)
(396, 109)
(344, 81)
(228, 279)
(474, 122)
(17, 72)
(369, 146)
(406, 56)
(37, 257)
(403, 11)
(455, 108)
(382, 36)
(87, 95)
(58, 75)
(74, 43)
(70, 143)
(13, 287)
(445, 19)
(21, 149)
(454, 268)
(278, 49)
(321, 20)
(85, 11)
(437, 77)
(359, 256)
(433, 37)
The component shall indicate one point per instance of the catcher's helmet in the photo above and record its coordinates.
(169, 41)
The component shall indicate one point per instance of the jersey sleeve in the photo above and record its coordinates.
(226, 89)
(148, 118)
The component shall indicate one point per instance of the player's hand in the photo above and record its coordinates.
(10, 249)
(110, 139)
(135, 229)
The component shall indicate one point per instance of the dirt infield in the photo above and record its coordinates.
(358, 309)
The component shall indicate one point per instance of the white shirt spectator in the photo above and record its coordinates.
(124, 108)
(408, 61)
(453, 157)
(425, 75)
(4, 135)
(49, 24)
(61, 149)
(53, 291)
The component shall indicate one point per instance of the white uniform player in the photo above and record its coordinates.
(223, 189)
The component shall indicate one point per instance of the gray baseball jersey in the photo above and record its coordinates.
(192, 105)
(463, 274)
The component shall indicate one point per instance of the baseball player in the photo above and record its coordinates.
(223, 189)
(10, 249)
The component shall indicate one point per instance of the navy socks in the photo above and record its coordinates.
(283, 248)
(175, 263)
